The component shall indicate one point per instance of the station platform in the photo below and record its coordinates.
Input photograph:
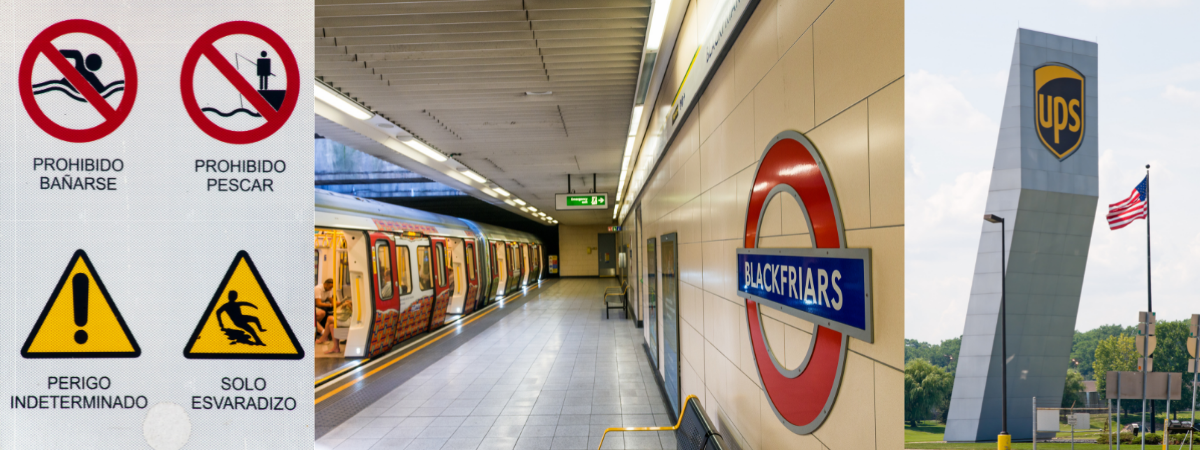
(542, 370)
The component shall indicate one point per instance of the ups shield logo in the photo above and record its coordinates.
(1058, 99)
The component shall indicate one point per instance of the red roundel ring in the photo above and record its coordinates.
(802, 397)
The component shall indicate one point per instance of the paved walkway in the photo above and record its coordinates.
(551, 375)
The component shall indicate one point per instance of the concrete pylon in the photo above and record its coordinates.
(1045, 185)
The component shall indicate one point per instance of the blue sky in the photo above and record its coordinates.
(957, 59)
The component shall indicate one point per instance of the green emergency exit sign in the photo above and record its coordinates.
(581, 201)
(585, 200)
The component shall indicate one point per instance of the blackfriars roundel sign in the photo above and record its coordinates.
(828, 285)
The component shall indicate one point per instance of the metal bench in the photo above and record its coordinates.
(692, 432)
(614, 292)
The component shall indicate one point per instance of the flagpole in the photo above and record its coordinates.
(1149, 313)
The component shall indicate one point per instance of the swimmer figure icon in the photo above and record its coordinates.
(243, 321)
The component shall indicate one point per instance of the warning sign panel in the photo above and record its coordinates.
(160, 138)
(80, 320)
(243, 321)
(76, 81)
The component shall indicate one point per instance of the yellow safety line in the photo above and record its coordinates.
(340, 372)
(410, 352)
(676, 427)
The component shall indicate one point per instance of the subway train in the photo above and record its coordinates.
(399, 272)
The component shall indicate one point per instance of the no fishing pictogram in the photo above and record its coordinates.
(274, 106)
(80, 82)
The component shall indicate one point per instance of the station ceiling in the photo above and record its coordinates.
(472, 77)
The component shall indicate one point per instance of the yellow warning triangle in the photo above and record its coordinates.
(80, 320)
(243, 321)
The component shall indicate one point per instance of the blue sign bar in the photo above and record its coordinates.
(813, 284)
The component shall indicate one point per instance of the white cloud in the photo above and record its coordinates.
(1112, 4)
(933, 103)
(1177, 94)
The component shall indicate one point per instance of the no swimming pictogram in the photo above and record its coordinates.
(79, 81)
(274, 106)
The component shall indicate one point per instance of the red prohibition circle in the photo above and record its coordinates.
(42, 45)
(801, 400)
(204, 47)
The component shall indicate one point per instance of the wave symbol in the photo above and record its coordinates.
(65, 87)
(227, 114)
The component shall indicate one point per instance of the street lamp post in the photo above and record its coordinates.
(1004, 441)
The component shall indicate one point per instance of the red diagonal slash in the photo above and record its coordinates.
(243, 87)
(81, 84)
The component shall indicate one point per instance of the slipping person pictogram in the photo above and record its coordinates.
(87, 67)
(243, 332)
(243, 321)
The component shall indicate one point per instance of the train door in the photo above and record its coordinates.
(525, 265)
(473, 276)
(423, 309)
(514, 255)
(414, 303)
(535, 257)
(456, 268)
(332, 250)
(387, 299)
(493, 272)
(442, 283)
(500, 264)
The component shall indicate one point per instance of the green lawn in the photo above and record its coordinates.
(928, 431)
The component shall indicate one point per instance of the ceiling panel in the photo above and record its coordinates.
(456, 73)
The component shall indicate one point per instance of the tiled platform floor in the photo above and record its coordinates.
(552, 375)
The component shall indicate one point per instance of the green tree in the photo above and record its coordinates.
(1083, 347)
(1073, 389)
(926, 387)
(944, 355)
(1113, 353)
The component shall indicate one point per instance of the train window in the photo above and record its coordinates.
(492, 261)
(470, 262)
(316, 267)
(423, 266)
(383, 269)
(402, 266)
(440, 274)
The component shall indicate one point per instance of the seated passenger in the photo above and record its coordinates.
(325, 321)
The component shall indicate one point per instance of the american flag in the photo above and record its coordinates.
(1137, 206)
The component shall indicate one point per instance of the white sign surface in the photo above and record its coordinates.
(156, 208)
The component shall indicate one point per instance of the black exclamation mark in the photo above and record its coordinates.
(79, 289)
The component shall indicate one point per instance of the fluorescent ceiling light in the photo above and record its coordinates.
(474, 176)
(637, 118)
(501, 191)
(337, 100)
(510, 203)
(532, 209)
(489, 192)
(425, 150)
(658, 24)
(525, 209)
(519, 201)
(629, 146)
(549, 218)
(541, 214)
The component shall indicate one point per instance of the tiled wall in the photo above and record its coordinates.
(573, 242)
(832, 70)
